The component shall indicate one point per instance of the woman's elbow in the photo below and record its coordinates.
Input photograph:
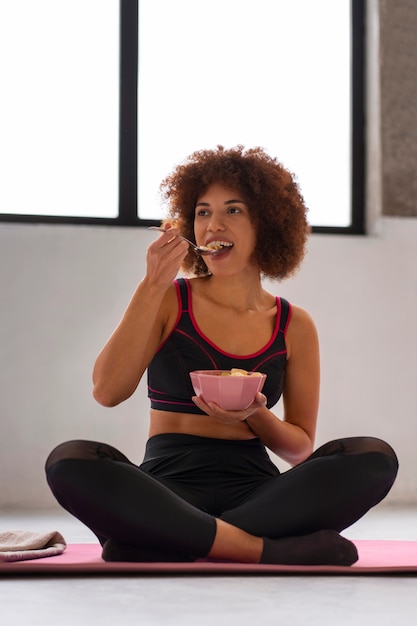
(296, 456)
(302, 455)
(103, 397)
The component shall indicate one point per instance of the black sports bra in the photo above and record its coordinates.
(187, 349)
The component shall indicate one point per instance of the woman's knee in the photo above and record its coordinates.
(377, 448)
(361, 445)
(354, 446)
(75, 449)
(380, 464)
(379, 451)
(388, 458)
(84, 450)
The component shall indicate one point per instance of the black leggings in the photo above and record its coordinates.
(167, 507)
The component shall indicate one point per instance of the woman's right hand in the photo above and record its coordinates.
(164, 257)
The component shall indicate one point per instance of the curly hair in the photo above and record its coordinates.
(276, 206)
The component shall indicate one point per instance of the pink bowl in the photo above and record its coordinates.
(232, 393)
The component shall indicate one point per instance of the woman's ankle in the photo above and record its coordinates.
(233, 544)
(323, 547)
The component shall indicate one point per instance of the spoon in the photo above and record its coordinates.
(202, 250)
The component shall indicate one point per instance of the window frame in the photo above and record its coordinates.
(128, 127)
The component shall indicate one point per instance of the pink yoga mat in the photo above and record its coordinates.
(375, 557)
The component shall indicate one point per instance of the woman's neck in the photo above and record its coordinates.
(240, 294)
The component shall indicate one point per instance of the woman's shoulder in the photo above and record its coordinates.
(302, 328)
(169, 308)
(301, 315)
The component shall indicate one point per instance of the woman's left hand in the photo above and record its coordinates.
(230, 417)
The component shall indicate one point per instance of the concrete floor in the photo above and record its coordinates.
(204, 600)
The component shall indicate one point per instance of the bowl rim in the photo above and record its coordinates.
(218, 373)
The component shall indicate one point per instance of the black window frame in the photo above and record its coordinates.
(128, 132)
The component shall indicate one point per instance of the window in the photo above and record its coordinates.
(189, 79)
(60, 108)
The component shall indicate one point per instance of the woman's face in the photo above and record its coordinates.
(222, 215)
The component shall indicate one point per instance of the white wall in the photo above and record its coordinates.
(64, 288)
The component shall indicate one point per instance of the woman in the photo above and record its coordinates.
(207, 487)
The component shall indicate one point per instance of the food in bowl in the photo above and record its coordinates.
(232, 390)
(235, 371)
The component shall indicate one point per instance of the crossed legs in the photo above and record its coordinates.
(293, 518)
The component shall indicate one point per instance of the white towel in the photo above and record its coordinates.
(22, 545)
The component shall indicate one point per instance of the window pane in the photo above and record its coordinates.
(267, 73)
(59, 107)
